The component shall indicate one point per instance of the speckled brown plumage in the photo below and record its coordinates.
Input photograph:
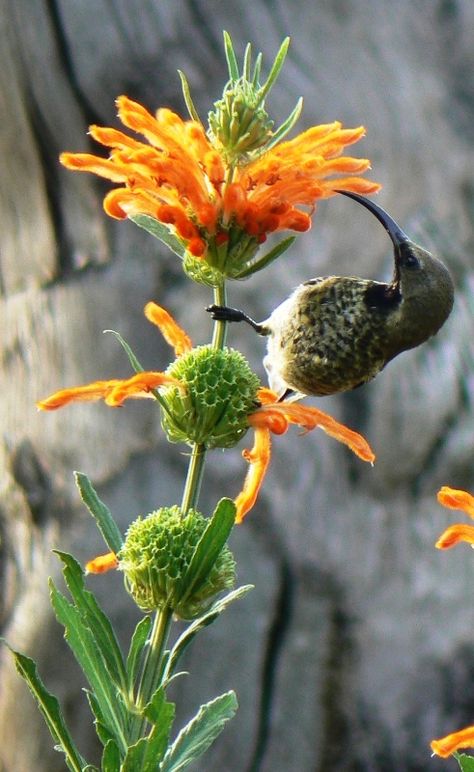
(335, 333)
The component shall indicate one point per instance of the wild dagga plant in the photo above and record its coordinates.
(211, 196)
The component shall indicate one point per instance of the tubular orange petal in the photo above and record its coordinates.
(310, 417)
(447, 745)
(453, 498)
(102, 563)
(114, 392)
(171, 331)
(455, 534)
(89, 392)
(139, 385)
(259, 459)
(355, 185)
(86, 162)
(271, 418)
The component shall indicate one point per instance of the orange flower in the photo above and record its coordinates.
(179, 178)
(275, 417)
(456, 499)
(447, 745)
(115, 392)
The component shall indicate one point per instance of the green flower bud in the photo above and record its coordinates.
(155, 556)
(239, 125)
(220, 395)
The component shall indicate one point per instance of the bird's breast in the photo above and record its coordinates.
(324, 339)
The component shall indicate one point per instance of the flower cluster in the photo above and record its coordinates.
(215, 196)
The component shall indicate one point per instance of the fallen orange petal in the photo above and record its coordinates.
(259, 459)
(171, 331)
(455, 534)
(453, 498)
(447, 745)
(102, 563)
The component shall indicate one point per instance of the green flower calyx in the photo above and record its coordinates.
(221, 392)
(156, 555)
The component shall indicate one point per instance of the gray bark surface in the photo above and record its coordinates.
(356, 646)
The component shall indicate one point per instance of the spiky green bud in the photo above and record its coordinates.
(155, 556)
(221, 392)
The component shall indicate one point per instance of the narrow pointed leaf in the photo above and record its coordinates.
(128, 350)
(276, 67)
(92, 662)
(95, 619)
(286, 126)
(136, 364)
(247, 62)
(50, 709)
(230, 57)
(159, 231)
(102, 515)
(111, 757)
(137, 645)
(187, 97)
(196, 737)
(208, 548)
(102, 730)
(199, 624)
(278, 250)
(256, 72)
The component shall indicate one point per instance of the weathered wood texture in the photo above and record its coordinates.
(356, 647)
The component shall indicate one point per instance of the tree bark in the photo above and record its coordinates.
(355, 648)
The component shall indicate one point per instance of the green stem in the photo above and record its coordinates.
(153, 663)
(192, 485)
(220, 328)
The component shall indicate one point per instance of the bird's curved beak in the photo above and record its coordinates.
(397, 235)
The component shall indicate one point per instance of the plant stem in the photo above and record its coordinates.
(152, 666)
(220, 328)
(192, 485)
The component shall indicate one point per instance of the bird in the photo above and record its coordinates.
(336, 333)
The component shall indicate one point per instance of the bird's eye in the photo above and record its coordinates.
(409, 259)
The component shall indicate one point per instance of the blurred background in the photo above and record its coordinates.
(356, 646)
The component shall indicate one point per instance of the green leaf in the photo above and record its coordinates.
(199, 624)
(188, 98)
(146, 754)
(111, 757)
(95, 619)
(276, 67)
(159, 231)
(196, 737)
(230, 57)
(136, 364)
(139, 639)
(102, 730)
(92, 662)
(107, 525)
(128, 350)
(465, 762)
(286, 126)
(266, 259)
(50, 709)
(208, 548)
